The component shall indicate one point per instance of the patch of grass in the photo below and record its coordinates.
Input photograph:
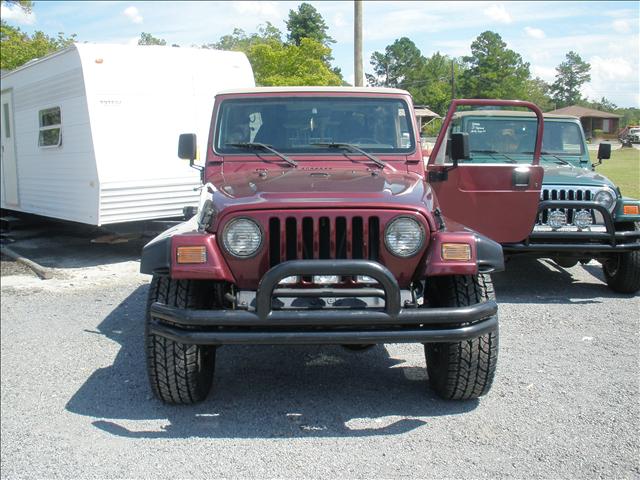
(623, 169)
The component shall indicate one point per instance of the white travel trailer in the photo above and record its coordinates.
(90, 133)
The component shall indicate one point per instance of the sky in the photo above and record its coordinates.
(605, 34)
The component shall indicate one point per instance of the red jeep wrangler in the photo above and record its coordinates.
(318, 224)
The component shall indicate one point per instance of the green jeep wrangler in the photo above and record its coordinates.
(582, 215)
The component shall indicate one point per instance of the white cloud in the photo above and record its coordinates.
(548, 74)
(613, 78)
(264, 10)
(133, 14)
(16, 14)
(498, 13)
(622, 25)
(534, 32)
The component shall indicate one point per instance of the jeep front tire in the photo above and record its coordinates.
(461, 370)
(622, 271)
(178, 373)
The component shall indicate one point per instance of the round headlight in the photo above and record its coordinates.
(582, 219)
(557, 219)
(605, 198)
(242, 237)
(404, 236)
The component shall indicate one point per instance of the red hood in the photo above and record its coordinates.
(324, 187)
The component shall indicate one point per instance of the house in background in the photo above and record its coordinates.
(592, 119)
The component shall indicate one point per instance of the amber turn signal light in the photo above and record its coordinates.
(456, 251)
(192, 255)
(631, 209)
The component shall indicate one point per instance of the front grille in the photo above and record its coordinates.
(341, 237)
(585, 194)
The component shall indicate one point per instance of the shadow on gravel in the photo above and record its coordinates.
(528, 280)
(260, 391)
(58, 244)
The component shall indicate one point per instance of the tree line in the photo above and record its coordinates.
(303, 56)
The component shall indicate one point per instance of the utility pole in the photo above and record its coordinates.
(357, 42)
(453, 80)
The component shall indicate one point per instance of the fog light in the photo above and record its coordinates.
(557, 219)
(289, 280)
(191, 255)
(365, 279)
(456, 251)
(326, 279)
(631, 209)
(582, 219)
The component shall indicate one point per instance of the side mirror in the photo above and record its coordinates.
(459, 146)
(604, 151)
(187, 146)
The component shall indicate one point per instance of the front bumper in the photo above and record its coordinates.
(393, 324)
(577, 243)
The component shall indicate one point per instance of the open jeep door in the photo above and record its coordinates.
(497, 193)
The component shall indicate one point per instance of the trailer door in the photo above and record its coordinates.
(498, 198)
(9, 166)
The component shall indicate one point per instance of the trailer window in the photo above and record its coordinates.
(50, 127)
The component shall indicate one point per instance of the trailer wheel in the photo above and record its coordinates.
(622, 271)
(461, 370)
(178, 373)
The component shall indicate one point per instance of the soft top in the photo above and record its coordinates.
(369, 90)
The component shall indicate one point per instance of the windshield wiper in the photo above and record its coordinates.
(493, 153)
(349, 146)
(263, 146)
(562, 162)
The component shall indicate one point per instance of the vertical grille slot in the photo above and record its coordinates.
(292, 239)
(324, 238)
(274, 241)
(341, 237)
(307, 238)
(374, 238)
(357, 238)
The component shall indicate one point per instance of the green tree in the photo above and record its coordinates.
(148, 39)
(307, 22)
(239, 41)
(430, 84)
(537, 91)
(398, 61)
(26, 5)
(493, 70)
(284, 64)
(277, 63)
(570, 76)
(19, 47)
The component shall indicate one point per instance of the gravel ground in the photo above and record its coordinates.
(76, 403)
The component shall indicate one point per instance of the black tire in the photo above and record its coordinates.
(622, 272)
(461, 370)
(179, 373)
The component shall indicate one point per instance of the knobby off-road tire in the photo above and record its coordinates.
(178, 373)
(462, 370)
(622, 272)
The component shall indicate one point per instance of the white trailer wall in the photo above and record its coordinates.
(136, 120)
(60, 182)
(122, 109)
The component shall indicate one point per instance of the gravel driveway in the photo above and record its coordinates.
(76, 403)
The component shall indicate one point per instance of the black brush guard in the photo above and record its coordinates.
(568, 243)
(393, 324)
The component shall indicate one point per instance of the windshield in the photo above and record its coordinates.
(503, 139)
(294, 125)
